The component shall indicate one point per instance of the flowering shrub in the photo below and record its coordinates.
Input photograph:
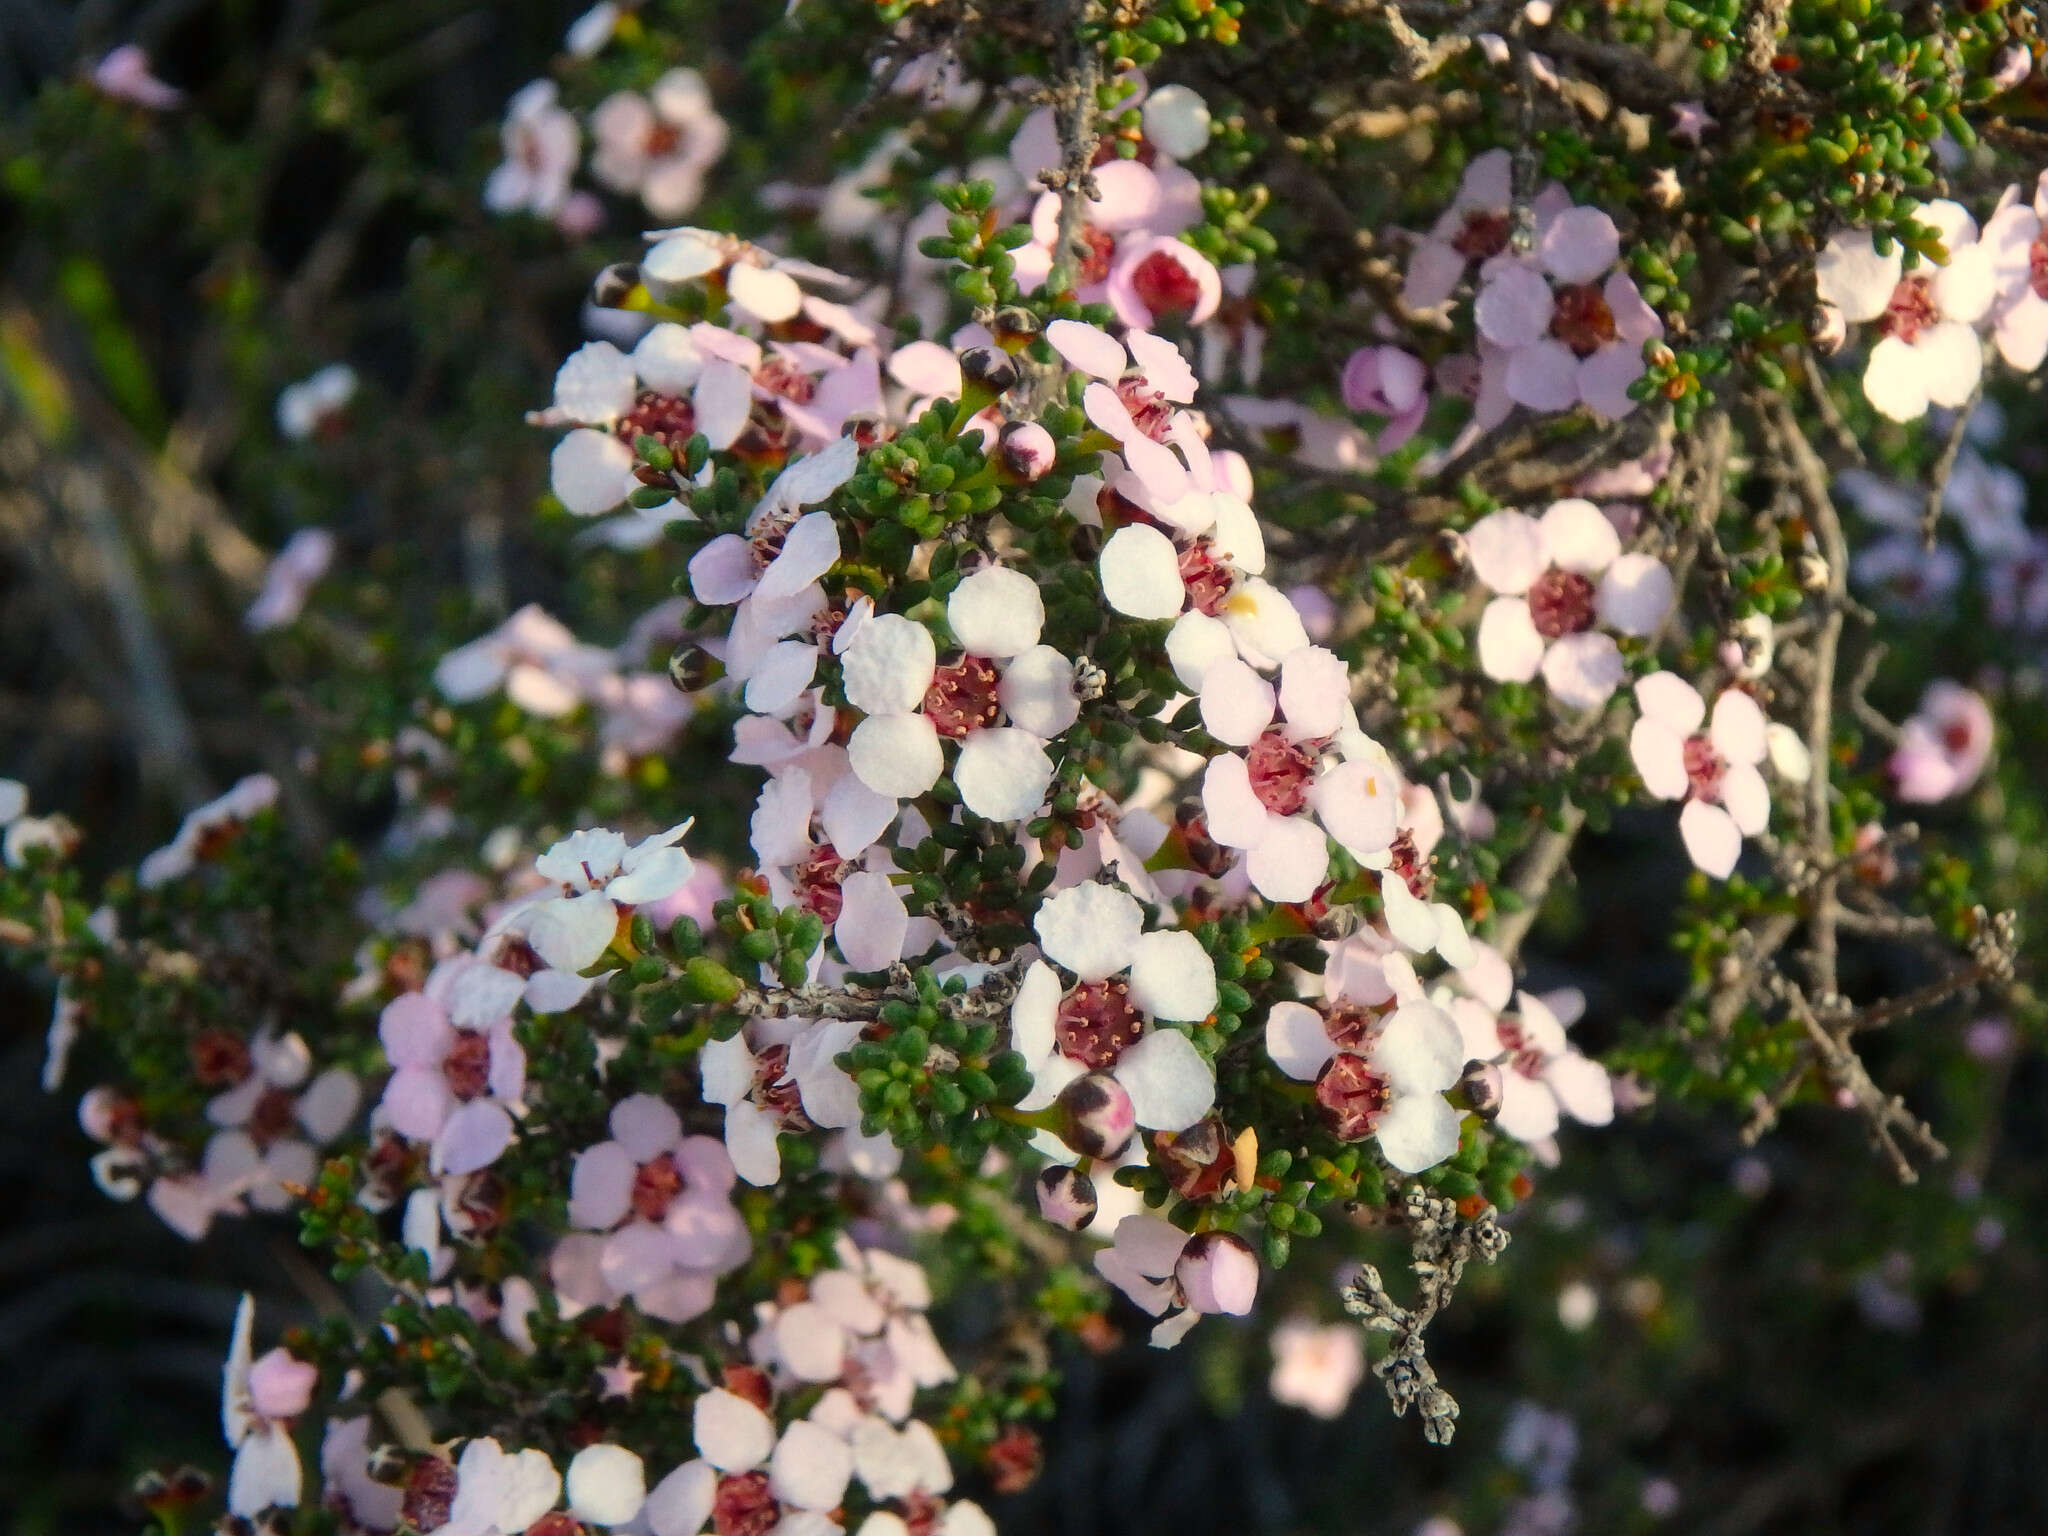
(1089, 645)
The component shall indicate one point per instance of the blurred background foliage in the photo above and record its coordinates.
(1719, 1339)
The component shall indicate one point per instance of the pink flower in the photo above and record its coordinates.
(1475, 227)
(534, 658)
(452, 1081)
(1555, 335)
(271, 1129)
(1385, 381)
(1558, 577)
(2016, 235)
(1316, 1366)
(290, 580)
(1944, 746)
(658, 145)
(541, 141)
(662, 1202)
(1542, 1073)
(1162, 278)
(1163, 1269)
(1929, 352)
(785, 1077)
(1713, 771)
(125, 75)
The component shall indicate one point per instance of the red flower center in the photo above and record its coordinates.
(1353, 1025)
(670, 420)
(1150, 413)
(429, 1494)
(743, 1506)
(272, 1116)
(1911, 309)
(1014, 1459)
(765, 542)
(780, 375)
(220, 1058)
(817, 883)
(1353, 1095)
(1703, 768)
(2037, 264)
(1407, 861)
(1281, 772)
(1097, 1023)
(1561, 603)
(1165, 286)
(1956, 736)
(1209, 580)
(1483, 234)
(775, 1089)
(1581, 318)
(663, 139)
(656, 1186)
(1094, 267)
(468, 1065)
(962, 697)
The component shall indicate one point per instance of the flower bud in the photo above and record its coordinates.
(1827, 328)
(1066, 1197)
(692, 667)
(1014, 326)
(988, 370)
(1027, 449)
(1098, 1118)
(1218, 1272)
(614, 283)
(1481, 1089)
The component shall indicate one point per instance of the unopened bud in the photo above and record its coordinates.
(1014, 326)
(1481, 1089)
(1028, 449)
(692, 667)
(1066, 1197)
(989, 370)
(609, 289)
(1099, 1120)
(1827, 328)
(1218, 1272)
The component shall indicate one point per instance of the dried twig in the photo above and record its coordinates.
(1441, 1246)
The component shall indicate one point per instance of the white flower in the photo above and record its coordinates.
(1380, 1068)
(258, 1400)
(607, 1484)
(1929, 351)
(598, 873)
(1109, 1021)
(316, 401)
(541, 140)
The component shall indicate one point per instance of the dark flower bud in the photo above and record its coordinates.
(692, 667)
(1218, 1273)
(1066, 1197)
(1028, 449)
(1014, 326)
(614, 283)
(1099, 1118)
(1480, 1089)
(988, 370)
